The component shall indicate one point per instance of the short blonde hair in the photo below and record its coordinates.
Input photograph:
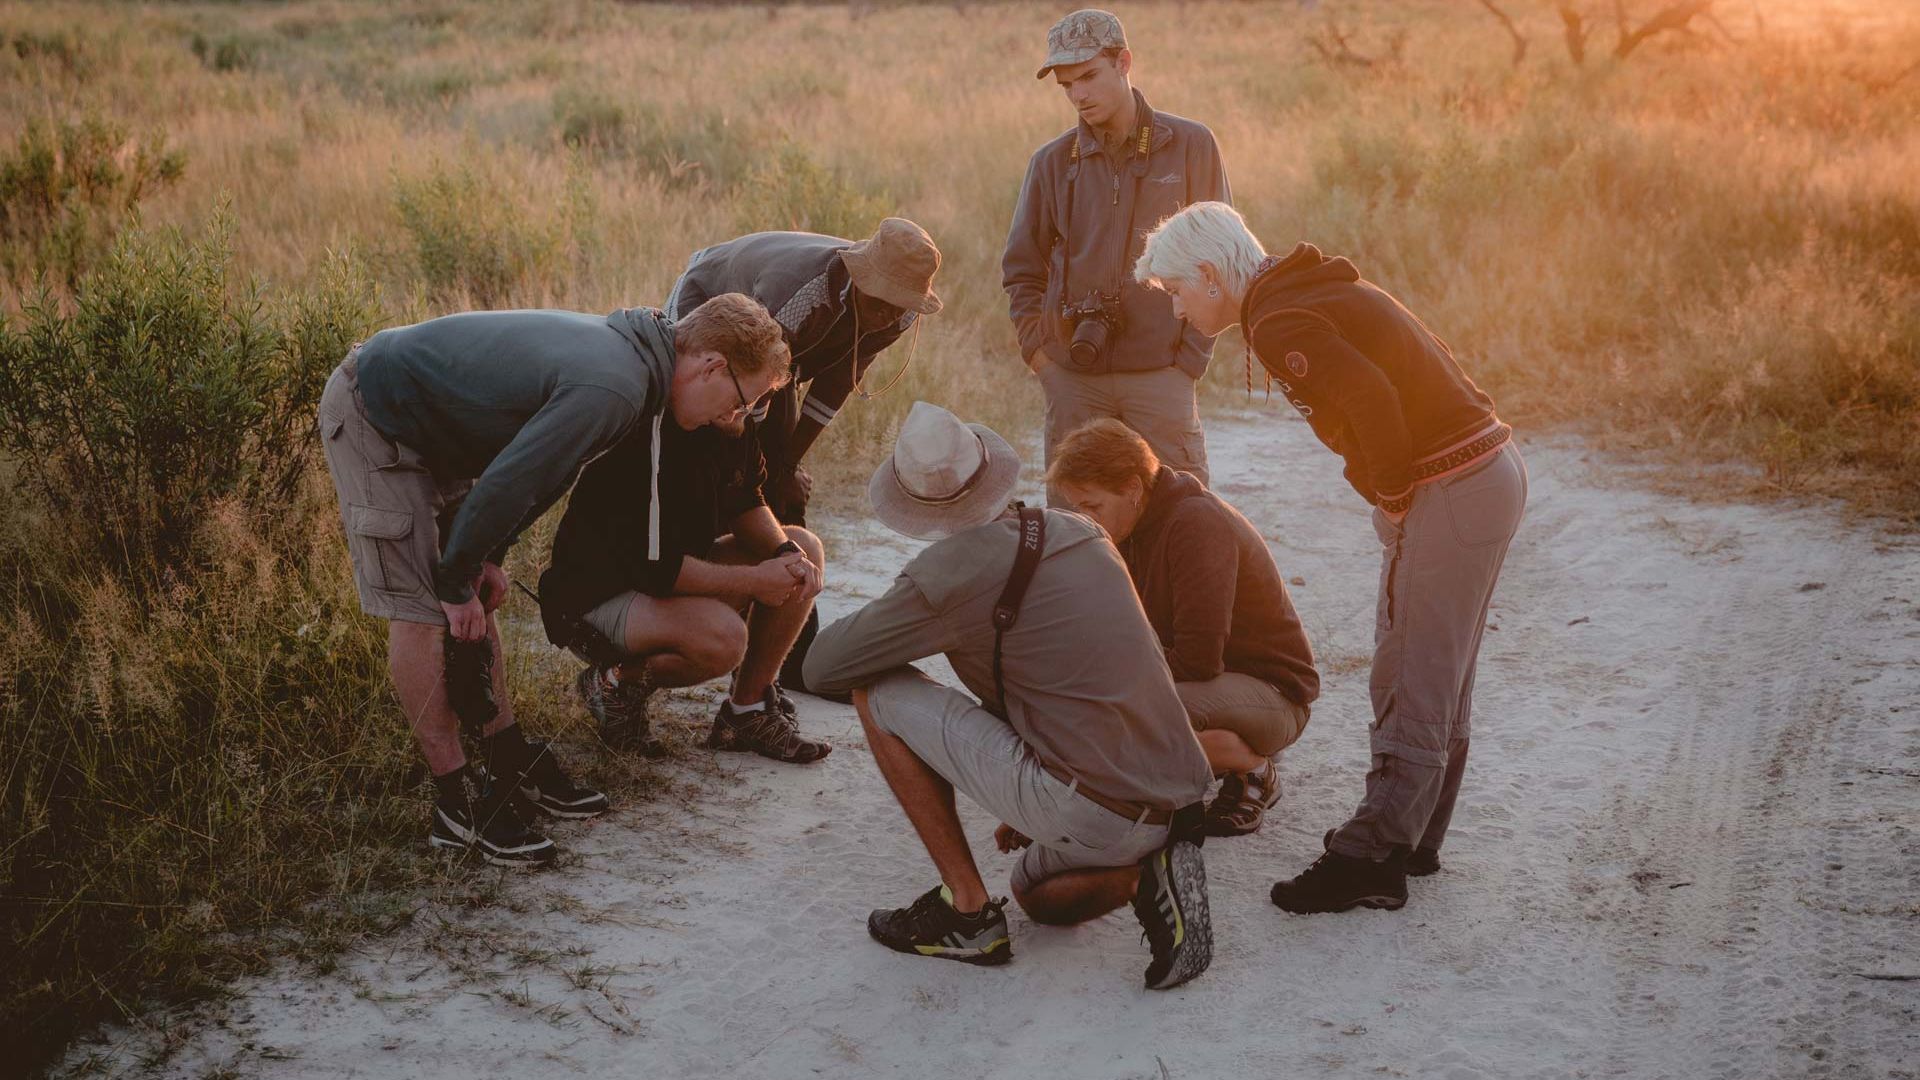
(737, 327)
(1207, 232)
(1103, 454)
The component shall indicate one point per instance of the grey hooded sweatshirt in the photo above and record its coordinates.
(517, 402)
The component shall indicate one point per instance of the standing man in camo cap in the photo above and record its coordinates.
(1101, 343)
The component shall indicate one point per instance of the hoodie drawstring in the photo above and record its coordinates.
(653, 494)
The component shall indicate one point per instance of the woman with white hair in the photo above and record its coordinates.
(1422, 444)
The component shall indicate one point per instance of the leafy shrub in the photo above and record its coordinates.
(66, 190)
(185, 680)
(163, 391)
(229, 53)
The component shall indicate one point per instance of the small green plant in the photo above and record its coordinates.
(793, 191)
(472, 239)
(228, 53)
(66, 190)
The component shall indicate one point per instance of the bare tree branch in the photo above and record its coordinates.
(1576, 32)
(1671, 17)
(1519, 39)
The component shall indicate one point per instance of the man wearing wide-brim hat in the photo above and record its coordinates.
(1087, 752)
(840, 304)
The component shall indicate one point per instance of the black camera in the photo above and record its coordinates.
(1096, 319)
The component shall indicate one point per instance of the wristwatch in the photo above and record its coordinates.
(788, 548)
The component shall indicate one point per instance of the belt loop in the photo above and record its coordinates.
(1144, 811)
(1073, 784)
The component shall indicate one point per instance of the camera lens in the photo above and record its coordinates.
(1089, 343)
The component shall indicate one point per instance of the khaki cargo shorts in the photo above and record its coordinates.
(392, 507)
(984, 758)
(1251, 708)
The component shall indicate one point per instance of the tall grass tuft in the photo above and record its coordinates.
(67, 188)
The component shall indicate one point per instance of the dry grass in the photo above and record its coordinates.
(1710, 252)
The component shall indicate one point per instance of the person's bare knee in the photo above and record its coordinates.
(1075, 896)
(718, 641)
(810, 544)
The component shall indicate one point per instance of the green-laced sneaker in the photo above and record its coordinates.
(931, 927)
(1171, 904)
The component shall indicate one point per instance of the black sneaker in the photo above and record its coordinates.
(931, 927)
(487, 824)
(1421, 862)
(1337, 882)
(1171, 904)
(548, 787)
(620, 711)
(771, 732)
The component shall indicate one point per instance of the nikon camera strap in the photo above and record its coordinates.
(1006, 610)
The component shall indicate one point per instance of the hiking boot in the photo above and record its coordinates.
(1243, 801)
(1337, 882)
(1171, 904)
(771, 732)
(620, 711)
(1423, 861)
(931, 927)
(486, 823)
(546, 785)
(1420, 863)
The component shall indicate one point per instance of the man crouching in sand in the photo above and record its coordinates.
(1077, 738)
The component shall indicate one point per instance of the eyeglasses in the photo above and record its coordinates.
(745, 405)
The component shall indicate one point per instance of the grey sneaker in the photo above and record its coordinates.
(771, 732)
(931, 927)
(1171, 904)
(620, 711)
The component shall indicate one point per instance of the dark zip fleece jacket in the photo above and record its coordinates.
(1378, 387)
(517, 402)
(1212, 592)
(706, 479)
(800, 278)
(1088, 237)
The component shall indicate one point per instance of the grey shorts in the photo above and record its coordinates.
(609, 617)
(1251, 708)
(982, 756)
(392, 507)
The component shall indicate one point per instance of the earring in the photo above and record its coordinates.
(1213, 290)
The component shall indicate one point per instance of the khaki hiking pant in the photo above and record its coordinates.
(1438, 568)
(1160, 405)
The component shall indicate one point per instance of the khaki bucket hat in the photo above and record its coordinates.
(943, 477)
(896, 264)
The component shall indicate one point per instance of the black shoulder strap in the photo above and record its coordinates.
(1006, 610)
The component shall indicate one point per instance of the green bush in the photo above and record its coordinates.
(66, 190)
(164, 391)
(185, 680)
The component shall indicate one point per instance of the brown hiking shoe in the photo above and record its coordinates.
(772, 732)
(1243, 801)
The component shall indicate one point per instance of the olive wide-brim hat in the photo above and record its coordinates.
(896, 264)
(943, 477)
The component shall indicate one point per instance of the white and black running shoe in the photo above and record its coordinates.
(1171, 904)
(546, 785)
(488, 825)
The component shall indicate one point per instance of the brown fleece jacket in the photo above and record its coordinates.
(1212, 592)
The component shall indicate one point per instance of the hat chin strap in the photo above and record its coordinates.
(959, 493)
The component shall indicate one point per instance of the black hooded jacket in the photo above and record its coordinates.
(1378, 387)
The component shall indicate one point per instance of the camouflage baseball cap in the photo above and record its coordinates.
(1080, 37)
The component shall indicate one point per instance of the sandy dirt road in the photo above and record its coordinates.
(1689, 846)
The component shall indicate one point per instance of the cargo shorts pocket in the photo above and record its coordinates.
(378, 541)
